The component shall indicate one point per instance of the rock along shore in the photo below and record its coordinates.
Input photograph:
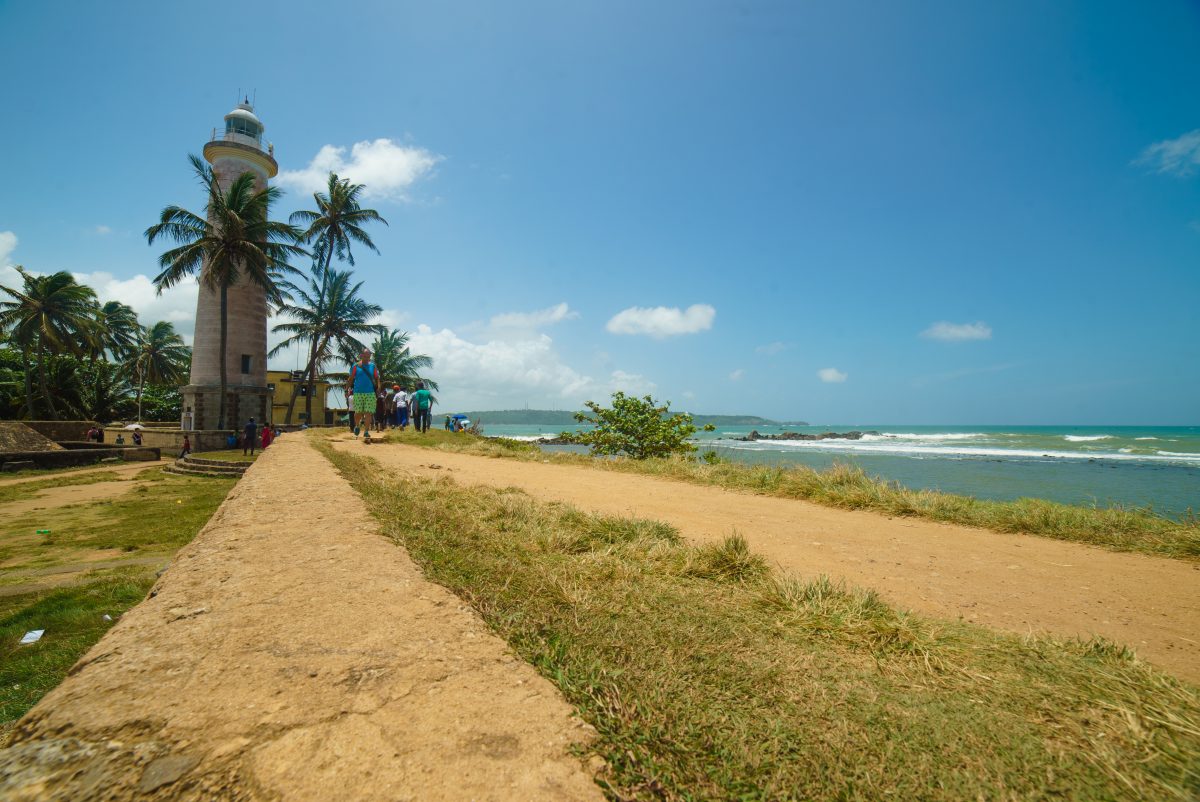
(754, 435)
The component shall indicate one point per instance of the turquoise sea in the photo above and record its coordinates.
(1143, 466)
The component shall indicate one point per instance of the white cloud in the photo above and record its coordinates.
(392, 318)
(770, 349)
(102, 230)
(8, 244)
(1179, 156)
(386, 168)
(958, 332)
(629, 383)
(831, 375)
(737, 375)
(662, 321)
(177, 305)
(534, 320)
(496, 372)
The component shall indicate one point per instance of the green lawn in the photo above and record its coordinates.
(151, 521)
(229, 455)
(710, 676)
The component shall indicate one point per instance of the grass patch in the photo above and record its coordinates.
(22, 490)
(708, 676)
(73, 618)
(153, 519)
(161, 516)
(228, 455)
(849, 487)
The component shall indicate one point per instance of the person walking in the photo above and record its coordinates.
(401, 408)
(266, 437)
(363, 382)
(249, 437)
(187, 447)
(422, 405)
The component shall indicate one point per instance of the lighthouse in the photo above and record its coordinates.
(237, 149)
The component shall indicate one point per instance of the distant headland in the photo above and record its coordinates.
(562, 417)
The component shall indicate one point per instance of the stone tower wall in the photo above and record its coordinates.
(247, 314)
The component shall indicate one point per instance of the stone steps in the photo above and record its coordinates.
(220, 462)
(198, 466)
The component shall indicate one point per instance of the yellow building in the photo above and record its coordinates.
(282, 383)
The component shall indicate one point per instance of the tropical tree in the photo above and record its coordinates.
(327, 317)
(116, 331)
(47, 312)
(160, 357)
(397, 365)
(640, 428)
(235, 240)
(102, 391)
(337, 222)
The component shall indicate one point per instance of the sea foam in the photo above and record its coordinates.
(1085, 438)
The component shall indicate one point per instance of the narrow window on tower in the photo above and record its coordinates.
(245, 363)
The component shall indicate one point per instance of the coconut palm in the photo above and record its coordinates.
(337, 222)
(327, 316)
(47, 312)
(117, 331)
(160, 357)
(235, 240)
(396, 364)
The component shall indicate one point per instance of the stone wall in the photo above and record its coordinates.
(71, 457)
(61, 429)
(170, 441)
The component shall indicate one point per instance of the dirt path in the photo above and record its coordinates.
(291, 652)
(117, 468)
(1014, 582)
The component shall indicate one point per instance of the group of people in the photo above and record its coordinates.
(372, 403)
(251, 436)
(137, 438)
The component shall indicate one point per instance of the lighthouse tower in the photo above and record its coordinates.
(236, 150)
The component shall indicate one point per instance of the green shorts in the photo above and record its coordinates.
(364, 402)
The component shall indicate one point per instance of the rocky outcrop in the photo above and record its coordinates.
(754, 435)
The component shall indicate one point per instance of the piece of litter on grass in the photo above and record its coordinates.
(107, 617)
(32, 636)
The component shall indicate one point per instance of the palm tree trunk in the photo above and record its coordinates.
(224, 345)
(308, 371)
(311, 379)
(312, 367)
(141, 383)
(42, 382)
(28, 383)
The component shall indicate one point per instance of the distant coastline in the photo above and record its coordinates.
(561, 417)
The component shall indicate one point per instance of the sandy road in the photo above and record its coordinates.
(1013, 582)
(291, 652)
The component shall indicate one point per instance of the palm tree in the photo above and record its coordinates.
(159, 358)
(396, 364)
(328, 315)
(238, 240)
(338, 221)
(117, 331)
(54, 312)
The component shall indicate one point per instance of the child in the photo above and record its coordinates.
(187, 447)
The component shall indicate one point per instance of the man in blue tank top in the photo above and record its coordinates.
(364, 384)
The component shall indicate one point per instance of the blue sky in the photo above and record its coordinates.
(951, 212)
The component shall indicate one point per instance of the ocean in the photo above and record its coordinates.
(1156, 467)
